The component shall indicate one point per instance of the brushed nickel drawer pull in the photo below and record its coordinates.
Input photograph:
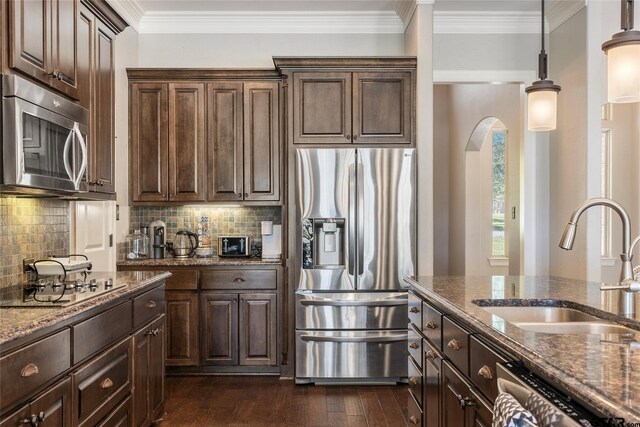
(431, 325)
(413, 381)
(238, 280)
(454, 345)
(106, 383)
(413, 420)
(486, 373)
(151, 304)
(414, 309)
(414, 345)
(431, 354)
(153, 332)
(29, 370)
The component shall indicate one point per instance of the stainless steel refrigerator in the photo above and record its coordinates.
(356, 241)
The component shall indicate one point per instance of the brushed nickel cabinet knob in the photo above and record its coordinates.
(454, 344)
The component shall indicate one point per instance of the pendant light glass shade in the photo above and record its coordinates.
(542, 110)
(623, 59)
(623, 67)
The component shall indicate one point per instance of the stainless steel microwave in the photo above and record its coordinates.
(44, 140)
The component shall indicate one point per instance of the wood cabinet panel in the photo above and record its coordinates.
(413, 410)
(86, 48)
(148, 305)
(186, 142)
(238, 279)
(219, 326)
(182, 280)
(258, 329)
(224, 141)
(120, 416)
(29, 29)
(25, 370)
(261, 142)
(454, 389)
(456, 344)
(63, 46)
(56, 405)
(182, 328)
(149, 153)
(148, 368)
(432, 391)
(322, 108)
(156, 368)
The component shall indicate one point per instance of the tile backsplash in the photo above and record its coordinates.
(241, 221)
(30, 228)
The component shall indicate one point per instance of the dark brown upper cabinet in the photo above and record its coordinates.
(166, 161)
(43, 37)
(343, 100)
(243, 141)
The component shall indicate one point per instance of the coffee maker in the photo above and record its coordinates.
(158, 237)
(271, 241)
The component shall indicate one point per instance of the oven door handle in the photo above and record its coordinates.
(386, 339)
(379, 303)
(83, 148)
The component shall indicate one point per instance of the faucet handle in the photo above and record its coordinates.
(626, 285)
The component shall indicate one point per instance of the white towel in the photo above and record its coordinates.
(508, 412)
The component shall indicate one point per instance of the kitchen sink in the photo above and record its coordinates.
(556, 320)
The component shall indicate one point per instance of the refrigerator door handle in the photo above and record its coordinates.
(387, 338)
(352, 220)
(389, 303)
(360, 213)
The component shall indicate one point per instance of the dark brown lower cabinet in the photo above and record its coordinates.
(51, 409)
(148, 373)
(432, 391)
(119, 417)
(462, 405)
(219, 326)
(182, 328)
(258, 329)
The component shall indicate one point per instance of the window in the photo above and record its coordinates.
(605, 191)
(499, 176)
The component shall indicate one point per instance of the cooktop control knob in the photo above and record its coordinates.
(108, 284)
(41, 284)
(93, 285)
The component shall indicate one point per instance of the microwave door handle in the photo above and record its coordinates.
(83, 148)
(65, 156)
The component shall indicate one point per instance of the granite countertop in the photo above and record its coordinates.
(602, 371)
(19, 322)
(196, 262)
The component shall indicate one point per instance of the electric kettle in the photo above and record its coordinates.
(184, 244)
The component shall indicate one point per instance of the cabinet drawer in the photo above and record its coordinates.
(415, 380)
(414, 344)
(455, 342)
(182, 280)
(101, 330)
(432, 325)
(147, 306)
(414, 411)
(415, 310)
(238, 279)
(25, 370)
(482, 369)
(119, 417)
(103, 382)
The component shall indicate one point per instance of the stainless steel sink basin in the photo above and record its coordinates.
(557, 320)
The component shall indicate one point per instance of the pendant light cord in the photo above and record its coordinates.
(542, 58)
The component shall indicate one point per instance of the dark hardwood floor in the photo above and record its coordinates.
(269, 401)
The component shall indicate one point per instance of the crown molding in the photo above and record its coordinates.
(405, 9)
(447, 22)
(385, 22)
(129, 10)
(560, 11)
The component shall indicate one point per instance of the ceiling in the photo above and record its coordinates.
(338, 16)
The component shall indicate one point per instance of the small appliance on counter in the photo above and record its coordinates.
(157, 235)
(137, 245)
(271, 241)
(184, 245)
(61, 265)
(233, 246)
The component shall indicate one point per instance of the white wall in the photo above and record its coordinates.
(441, 179)
(126, 56)
(257, 50)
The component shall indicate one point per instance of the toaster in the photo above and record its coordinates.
(233, 246)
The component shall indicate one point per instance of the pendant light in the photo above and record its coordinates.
(623, 59)
(542, 95)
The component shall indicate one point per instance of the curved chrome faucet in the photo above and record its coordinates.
(627, 283)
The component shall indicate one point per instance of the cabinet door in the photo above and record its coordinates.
(86, 48)
(322, 108)
(156, 368)
(383, 108)
(102, 129)
(258, 326)
(56, 405)
(224, 141)
(219, 326)
(261, 142)
(141, 373)
(64, 64)
(186, 142)
(29, 29)
(432, 387)
(149, 149)
(455, 393)
(182, 328)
